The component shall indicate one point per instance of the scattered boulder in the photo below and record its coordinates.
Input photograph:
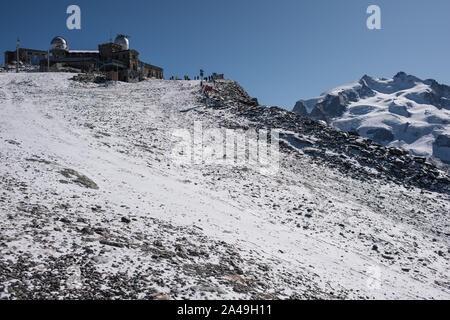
(90, 78)
(79, 179)
(112, 243)
(125, 220)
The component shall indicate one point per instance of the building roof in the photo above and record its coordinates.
(151, 66)
(84, 51)
(29, 50)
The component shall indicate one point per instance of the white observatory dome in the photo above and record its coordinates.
(123, 41)
(59, 43)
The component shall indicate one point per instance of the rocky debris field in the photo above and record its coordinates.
(74, 249)
(94, 205)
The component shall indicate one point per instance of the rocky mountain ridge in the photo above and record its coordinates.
(333, 147)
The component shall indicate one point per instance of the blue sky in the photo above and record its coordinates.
(279, 50)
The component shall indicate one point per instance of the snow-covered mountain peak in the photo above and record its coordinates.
(403, 111)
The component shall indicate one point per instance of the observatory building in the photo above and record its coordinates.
(63, 59)
(115, 59)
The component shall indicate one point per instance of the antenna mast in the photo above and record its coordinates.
(17, 55)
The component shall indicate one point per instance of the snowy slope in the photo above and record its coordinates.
(404, 112)
(93, 205)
